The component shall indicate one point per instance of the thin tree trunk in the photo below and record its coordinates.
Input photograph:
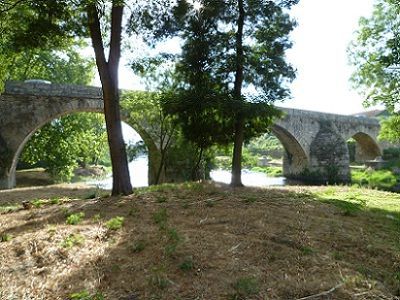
(108, 72)
(236, 180)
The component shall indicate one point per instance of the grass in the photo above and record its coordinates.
(271, 243)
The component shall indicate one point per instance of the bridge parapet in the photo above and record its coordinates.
(330, 117)
(52, 90)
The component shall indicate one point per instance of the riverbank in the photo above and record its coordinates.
(199, 240)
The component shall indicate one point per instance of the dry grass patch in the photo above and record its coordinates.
(206, 241)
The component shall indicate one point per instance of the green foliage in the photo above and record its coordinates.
(245, 287)
(160, 217)
(390, 129)
(187, 264)
(75, 219)
(381, 179)
(138, 246)
(66, 142)
(376, 55)
(115, 223)
(5, 237)
(270, 171)
(173, 240)
(72, 240)
(85, 295)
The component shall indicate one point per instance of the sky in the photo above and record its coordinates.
(325, 29)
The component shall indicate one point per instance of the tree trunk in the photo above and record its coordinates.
(236, 180)
(108, 71)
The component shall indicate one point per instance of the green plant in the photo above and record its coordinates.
(115, 223)
(246, 286)
(160, 218)
(173, 241)
(55, 201)
(74, 219)
(159, 279)
(38, 203)
(187, 264)
(306, 250)
(5, 237)
(72, 240)
(138, 246)
(161, 198)
(85, 295)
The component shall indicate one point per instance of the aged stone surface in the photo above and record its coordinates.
(315, 143)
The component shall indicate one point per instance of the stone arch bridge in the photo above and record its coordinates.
(315, 143)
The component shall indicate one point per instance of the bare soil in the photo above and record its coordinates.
(199, 241)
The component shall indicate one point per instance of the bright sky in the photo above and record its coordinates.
(325, 29)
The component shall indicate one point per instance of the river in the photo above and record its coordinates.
(138, 172)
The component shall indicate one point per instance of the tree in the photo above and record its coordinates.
(155, 127)
(232, 47)
(375, 54)
(49, 22)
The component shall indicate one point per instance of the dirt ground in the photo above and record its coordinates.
(198, 241)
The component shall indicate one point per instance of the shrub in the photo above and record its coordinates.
(115, 223)
(75, 219)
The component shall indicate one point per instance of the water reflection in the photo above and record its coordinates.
(138, 173)
(138, 170)
(249, 178)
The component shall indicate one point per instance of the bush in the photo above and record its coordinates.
(381, 179)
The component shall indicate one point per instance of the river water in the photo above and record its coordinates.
(138, 173)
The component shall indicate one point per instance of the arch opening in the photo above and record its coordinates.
(362, 147)
(295, 160)
(92, 151)
(266, 160)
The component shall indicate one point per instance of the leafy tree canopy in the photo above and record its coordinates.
(375, 53)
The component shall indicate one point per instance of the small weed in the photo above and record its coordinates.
(72, 240)
(75, 219)
(187, 264)
(307, 250)
(161, 199)
(115, 223)
(38, 203)
(85, 295)
(337, 255)
(245, 286)
(5, 237)
(55, 201)
(173, 241)
(138, 246)
(159, 279)
(250, 199)
(185, 205)
(160, 218)
(397, 276)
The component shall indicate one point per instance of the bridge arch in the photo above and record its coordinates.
(295, 159)
(75, 107)
(366, 147)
